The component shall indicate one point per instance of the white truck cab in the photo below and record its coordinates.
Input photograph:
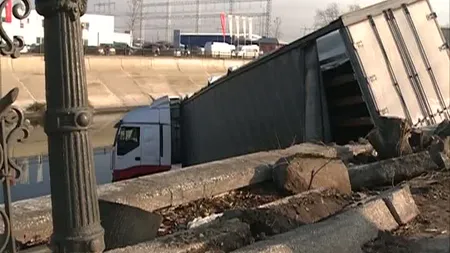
(143, 142)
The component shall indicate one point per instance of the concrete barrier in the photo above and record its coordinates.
(32, 217)
(117, 81)
(345, 232)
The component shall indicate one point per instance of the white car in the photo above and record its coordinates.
(25, 49)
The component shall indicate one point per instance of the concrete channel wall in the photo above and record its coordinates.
(117, 81)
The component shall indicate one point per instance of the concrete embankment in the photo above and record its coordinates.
(117, 81)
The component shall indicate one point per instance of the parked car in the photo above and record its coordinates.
(106, 49)
(25, 49)
(248, 51)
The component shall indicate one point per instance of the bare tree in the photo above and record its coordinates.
(134, 14)
(331, 13)
(276, 28)
(353, 7)
(327, 15)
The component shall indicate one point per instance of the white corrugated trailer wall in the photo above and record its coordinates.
(398, 52)
(271, 103)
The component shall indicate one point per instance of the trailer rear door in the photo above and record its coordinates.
(404, 59)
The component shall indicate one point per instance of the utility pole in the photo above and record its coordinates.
(75, 208)
(197, 16)
(168, 19)
(231, 8)
(268, 17)
(104, 7)
(141, 20)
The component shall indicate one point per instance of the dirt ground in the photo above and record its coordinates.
(177, 218)
(429, 232)
(263, 222)
(274, 215)
(287, 215)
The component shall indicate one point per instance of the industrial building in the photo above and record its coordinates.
(97, 29)
(200, 39)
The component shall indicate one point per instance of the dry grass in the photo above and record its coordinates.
(36, 107)
(41, 107)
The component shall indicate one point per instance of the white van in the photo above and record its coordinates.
(219, 49)
(248, 51)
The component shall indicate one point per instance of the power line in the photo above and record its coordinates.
(192, 15)
(204, 2)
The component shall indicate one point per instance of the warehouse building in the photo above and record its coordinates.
(97, 29)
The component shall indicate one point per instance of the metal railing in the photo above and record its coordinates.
(67, 120)
(13, 125)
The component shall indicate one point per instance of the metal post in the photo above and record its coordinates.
(75, 209)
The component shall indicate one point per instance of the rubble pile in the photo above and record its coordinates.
(317, 182)
(394, 137)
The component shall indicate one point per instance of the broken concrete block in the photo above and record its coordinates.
(291, 212)
(401, 204)
(302, 172)
(126, 225)
(284, 214)
(311, 149)
(345, 232)
(391, 171)
(221, 237)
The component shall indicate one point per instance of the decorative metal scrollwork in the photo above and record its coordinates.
(13, 128)
(8, 46)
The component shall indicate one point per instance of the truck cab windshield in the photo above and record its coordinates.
(127, 140)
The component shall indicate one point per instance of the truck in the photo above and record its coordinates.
(333, 85)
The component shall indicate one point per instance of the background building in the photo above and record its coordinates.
(155, 20)
(97, 29)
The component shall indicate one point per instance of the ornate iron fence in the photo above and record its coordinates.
(75, 208)
(13, 125)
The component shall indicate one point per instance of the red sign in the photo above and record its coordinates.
(223, 23)
(8, 9)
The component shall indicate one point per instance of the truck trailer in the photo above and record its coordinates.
(333, 85)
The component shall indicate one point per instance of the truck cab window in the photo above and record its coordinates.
(127, 139)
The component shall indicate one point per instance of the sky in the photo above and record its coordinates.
(296, 15)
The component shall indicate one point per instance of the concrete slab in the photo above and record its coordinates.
(345, 232)
(439, 244)
(401, 204)
(223, 237)
(304, 208)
